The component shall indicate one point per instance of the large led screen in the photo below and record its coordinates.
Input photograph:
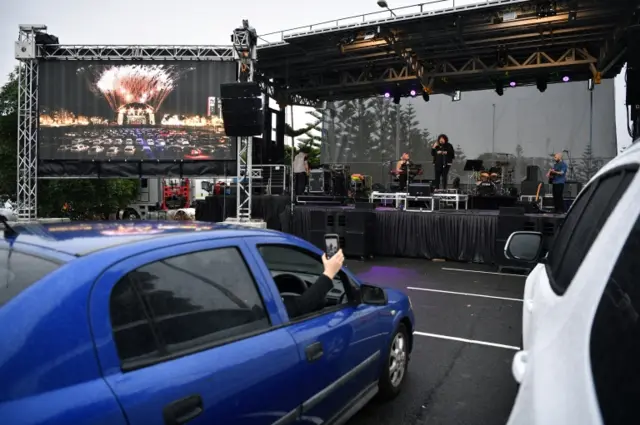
(145, 111)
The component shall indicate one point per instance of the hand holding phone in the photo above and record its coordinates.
(332, 244)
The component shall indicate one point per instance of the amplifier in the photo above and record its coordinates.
(320, 181)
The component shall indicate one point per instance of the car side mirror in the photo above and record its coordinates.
(373, 295)
(524, 246)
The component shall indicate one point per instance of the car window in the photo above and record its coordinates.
(582, 225)
(615, 338)
(192, 300)
(18, 271)
(283, 260)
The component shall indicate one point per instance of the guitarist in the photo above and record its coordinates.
(557, 177)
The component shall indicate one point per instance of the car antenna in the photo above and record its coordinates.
(8, 230)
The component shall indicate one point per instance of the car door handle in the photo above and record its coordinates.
(314, 351)
(182, 411)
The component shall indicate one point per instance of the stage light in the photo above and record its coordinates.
(387, 95)
(513, 84)
(541, 83)
(425, 96)
(457, 96)
(591, 84)
(412, 93)
(396, 99)
(499, 88)
(566, 78)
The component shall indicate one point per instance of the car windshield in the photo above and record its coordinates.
(19, 270)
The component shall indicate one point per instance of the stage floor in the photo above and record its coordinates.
(459, 235)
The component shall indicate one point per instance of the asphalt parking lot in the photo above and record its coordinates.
(468, 326)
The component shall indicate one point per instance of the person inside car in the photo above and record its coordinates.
(314, 298)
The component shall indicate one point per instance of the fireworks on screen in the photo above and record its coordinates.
(143, 84)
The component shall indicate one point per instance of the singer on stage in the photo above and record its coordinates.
(443, 155)
(402, 168)
(558, 177)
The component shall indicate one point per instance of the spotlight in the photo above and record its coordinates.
(457, 96)
(387, 95)
(566, 78)
(591, 84)
(412, 93)
(499, 88)
(396, 99)
(425, 96)
(541, 83)
(513, 84)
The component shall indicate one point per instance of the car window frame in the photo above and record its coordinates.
(327, 310)
(100, 299)
(35, 254)
(589, 191)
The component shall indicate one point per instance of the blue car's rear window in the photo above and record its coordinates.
(19, 270)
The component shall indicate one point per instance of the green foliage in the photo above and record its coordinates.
(8, 135)
(89, 199)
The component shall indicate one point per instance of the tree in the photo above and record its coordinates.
(8, 134)
(459, 161)
(586, 167)
(88, 198)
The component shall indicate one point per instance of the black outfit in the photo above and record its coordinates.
(441, 163)
(403, 177)
(300, 181)
(313, 299)
(558, 197)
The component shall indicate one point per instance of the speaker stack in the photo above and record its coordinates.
(242, 109)
(356, 229)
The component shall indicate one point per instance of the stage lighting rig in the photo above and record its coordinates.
(499, 87)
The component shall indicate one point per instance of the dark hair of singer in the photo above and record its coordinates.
(444, 136)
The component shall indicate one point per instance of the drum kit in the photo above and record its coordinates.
(497, 180)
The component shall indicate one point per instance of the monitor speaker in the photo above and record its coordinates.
(242, 109)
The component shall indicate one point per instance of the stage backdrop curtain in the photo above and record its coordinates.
(454, 236)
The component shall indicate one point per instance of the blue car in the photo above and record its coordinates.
(172, 323)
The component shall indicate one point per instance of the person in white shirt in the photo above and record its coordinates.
(300, 172)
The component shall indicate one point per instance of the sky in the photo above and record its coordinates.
(196, 22)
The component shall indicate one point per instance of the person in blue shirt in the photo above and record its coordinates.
(558, 177)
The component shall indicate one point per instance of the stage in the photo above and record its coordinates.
(465, 235)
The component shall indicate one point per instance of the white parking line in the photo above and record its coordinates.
(468, 341)
(481, 272)
(463, 293)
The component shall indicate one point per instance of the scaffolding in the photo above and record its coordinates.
(29, 53)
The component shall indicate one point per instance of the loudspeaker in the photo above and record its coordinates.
(419, 189)
(534, 173)
(359, 238)
(242, 109)
(572, 189)
(633, 65)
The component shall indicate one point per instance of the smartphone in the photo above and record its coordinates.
(332, 244)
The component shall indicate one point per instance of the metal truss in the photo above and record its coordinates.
(245, 52)
(177, 53)
(573, 57)
(412, 62)
(27, 175)
(280, 94)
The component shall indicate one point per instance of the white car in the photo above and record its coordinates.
(581, 308)
(113, 151)
(129, 150)
(79, 148)
(96, 150)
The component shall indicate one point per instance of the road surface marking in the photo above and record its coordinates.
(482, 272)
(463, 293)
(468, 341)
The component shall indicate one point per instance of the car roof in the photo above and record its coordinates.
(84, 238)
